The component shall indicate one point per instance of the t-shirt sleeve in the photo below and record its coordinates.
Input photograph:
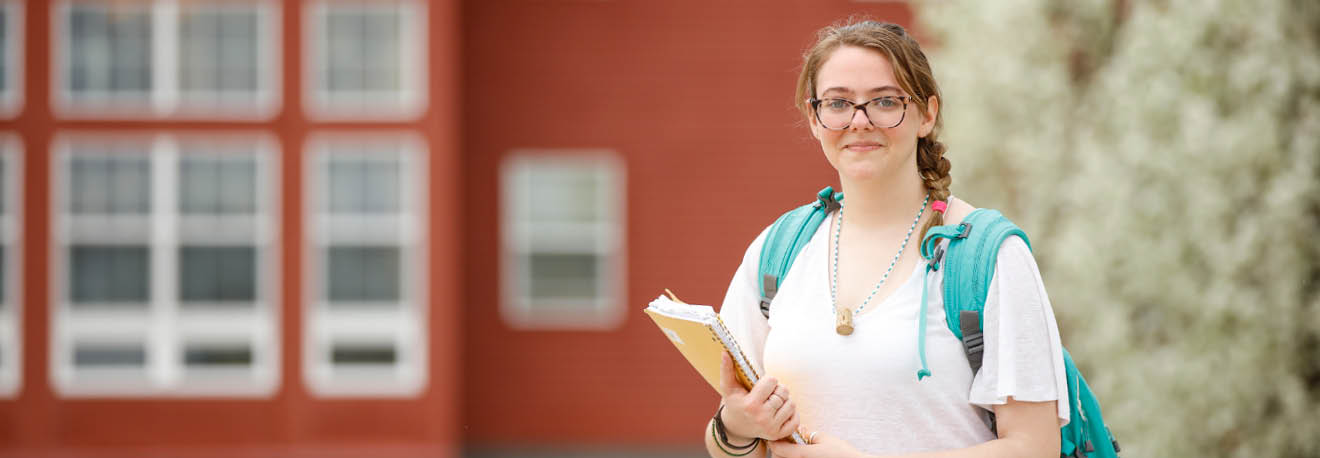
(741, 310)
(1023, 354)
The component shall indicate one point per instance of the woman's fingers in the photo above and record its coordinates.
(783, 413)
(763, 388)
(789, 426)
(729, 384)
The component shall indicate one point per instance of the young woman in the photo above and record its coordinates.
(871, 100)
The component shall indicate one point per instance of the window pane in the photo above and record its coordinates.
(363, 273)
(109, 355)
(238, 191)
(4, 287)
(238, 51)
(199, 32)
(563, 276)
(346, 186)
(131, 35)
(89, 179)
(564, 193)
(199, 186)
(344, 49)
(381, 58)
(4, 48)
(217, 355)
(364, 185)
(217, 185)
(218, 49)
(346, 354)
(362, 48)
(382, 186)
(212, 274)
(130, 194)
(110, 48)
(88, 50)
(109, 273)
(110, 185)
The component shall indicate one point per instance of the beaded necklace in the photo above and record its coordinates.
(843, 320)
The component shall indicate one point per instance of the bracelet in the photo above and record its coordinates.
(727, 452)
(722, 439)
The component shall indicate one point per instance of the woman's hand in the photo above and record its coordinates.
(819, 445)
(765, 411)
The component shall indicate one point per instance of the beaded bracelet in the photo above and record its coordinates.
(722, 439)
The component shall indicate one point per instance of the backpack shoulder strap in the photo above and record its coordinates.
(969, 267)
(786, 238)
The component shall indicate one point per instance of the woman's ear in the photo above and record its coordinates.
(928, 119)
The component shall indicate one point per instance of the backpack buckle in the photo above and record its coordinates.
(935, 260)
(963, 230)
(827, 199)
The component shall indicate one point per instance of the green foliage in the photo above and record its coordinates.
(1165, 158)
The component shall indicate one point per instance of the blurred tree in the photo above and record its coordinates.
(1165, 158)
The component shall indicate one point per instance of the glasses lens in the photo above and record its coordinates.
(885, 111)
(835, 113)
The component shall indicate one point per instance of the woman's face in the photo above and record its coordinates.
(862, 151)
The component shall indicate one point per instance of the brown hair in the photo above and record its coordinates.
(914, 76)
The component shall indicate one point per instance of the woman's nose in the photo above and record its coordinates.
(860, 120)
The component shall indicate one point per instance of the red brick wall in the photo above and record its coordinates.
(292, 422)
(697, 99)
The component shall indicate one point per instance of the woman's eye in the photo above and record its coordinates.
(887, 102)
(836, 104)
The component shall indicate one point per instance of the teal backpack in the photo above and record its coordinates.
(969, 266)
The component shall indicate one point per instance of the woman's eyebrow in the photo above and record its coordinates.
(837, 89)
(886, 88)
(844, 90)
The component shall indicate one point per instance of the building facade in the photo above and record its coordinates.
(381, 227)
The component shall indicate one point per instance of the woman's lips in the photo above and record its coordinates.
(862, 147)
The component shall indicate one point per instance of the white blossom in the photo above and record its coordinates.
(1163, 157)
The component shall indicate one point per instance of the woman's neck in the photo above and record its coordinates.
(883, 203)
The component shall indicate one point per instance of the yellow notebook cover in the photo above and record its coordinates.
(702, 338)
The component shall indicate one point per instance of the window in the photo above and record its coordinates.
(108, 50)
(365, 324)
(11, 363)
(11, 57)
(165, 268)
(366, 59)
(563, 240)
(226, 55)
(137, 58)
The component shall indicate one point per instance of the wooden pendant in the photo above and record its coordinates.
(843, 322)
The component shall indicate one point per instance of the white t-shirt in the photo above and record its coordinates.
(863, 387)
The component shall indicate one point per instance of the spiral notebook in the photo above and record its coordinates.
(702, 338)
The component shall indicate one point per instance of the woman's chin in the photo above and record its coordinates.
(861, 171)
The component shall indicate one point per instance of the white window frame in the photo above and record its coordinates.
(164, 327)
(404, 323)
(11, 100)
(11, 317)
(411, 99)
(606, 237)
(165, 98)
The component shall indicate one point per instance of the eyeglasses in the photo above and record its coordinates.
(882, 112)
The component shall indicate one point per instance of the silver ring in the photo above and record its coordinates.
(811, 438)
